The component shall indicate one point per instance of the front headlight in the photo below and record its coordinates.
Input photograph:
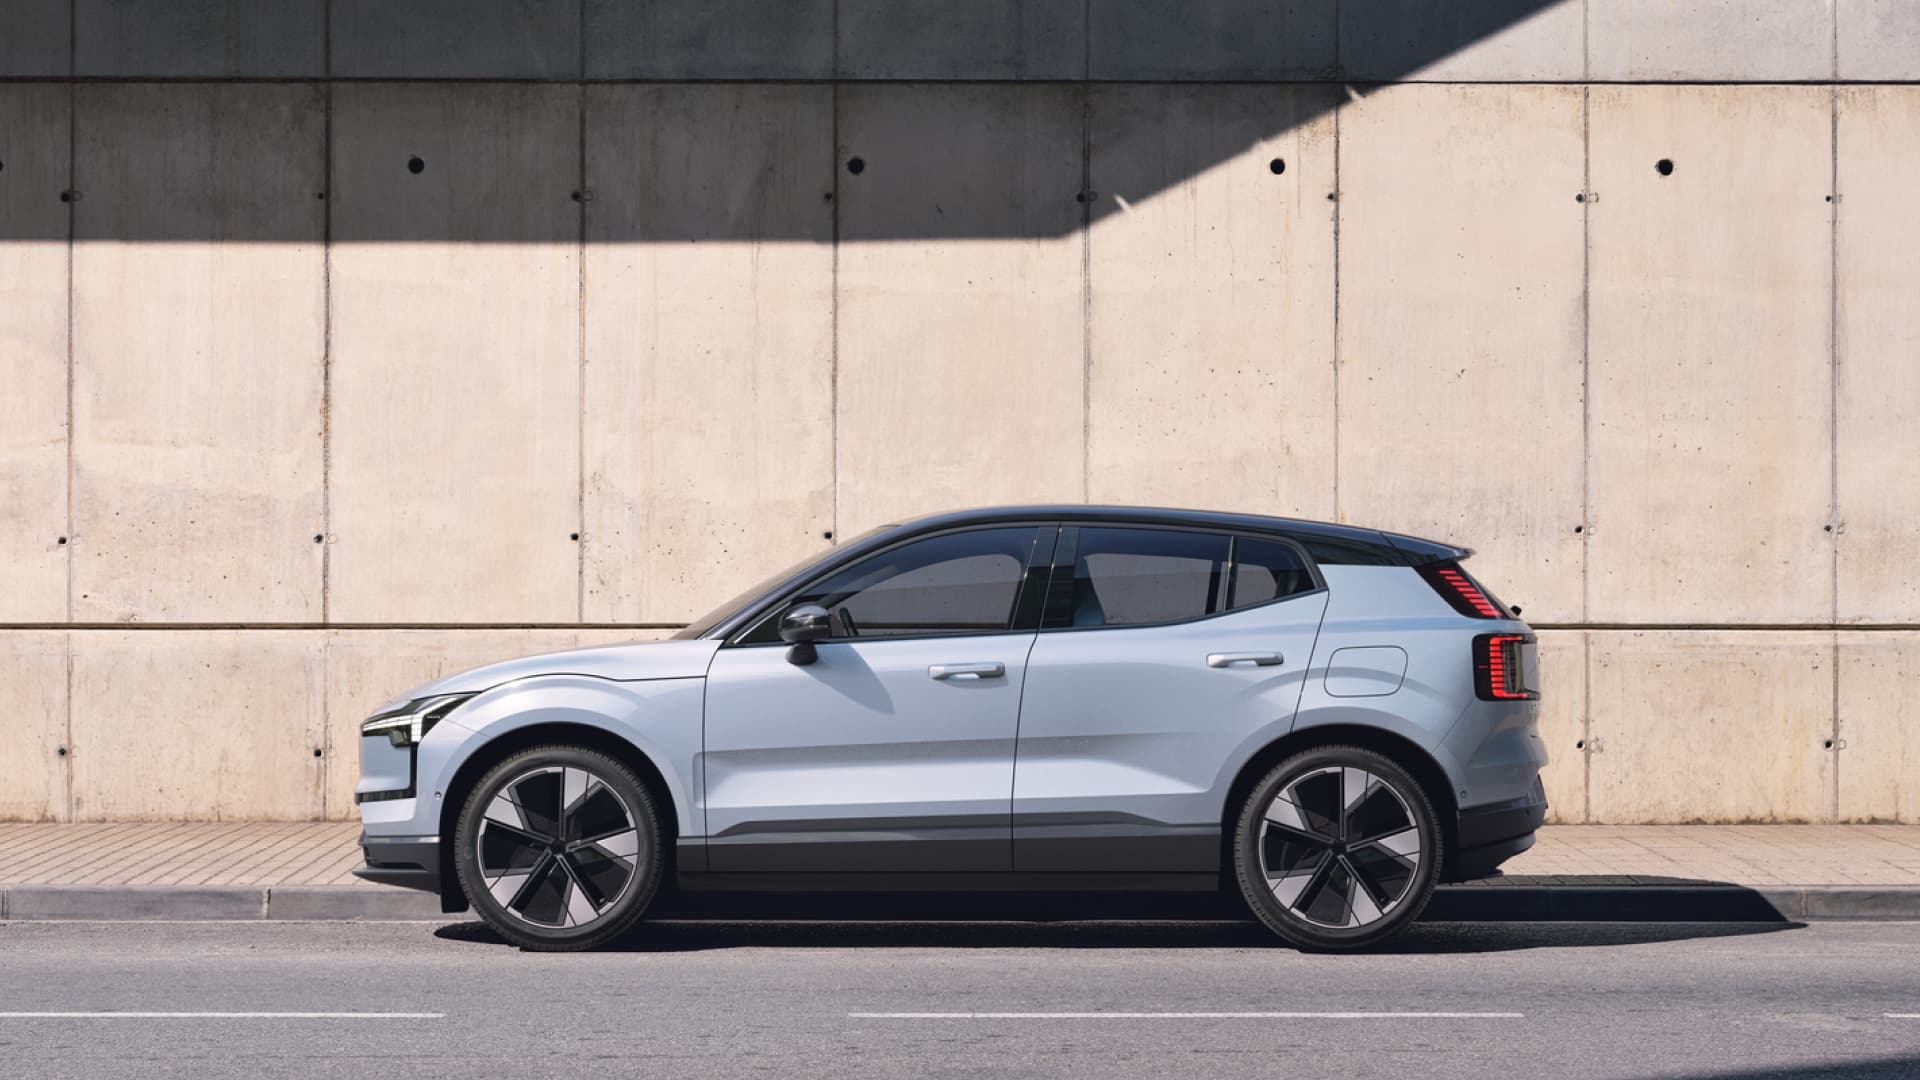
(406, 724)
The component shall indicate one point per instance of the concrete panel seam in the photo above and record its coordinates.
(1339, 511)
(581, 198)
(326, 343)
(71, 123)
(1833, 399)
(1586, 348)
(833, 302)
(1086, 289)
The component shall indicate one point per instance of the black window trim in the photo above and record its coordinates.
(1026, 605)
(1066, 554)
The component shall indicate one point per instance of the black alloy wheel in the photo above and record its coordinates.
(1337, 849)
(558, 848)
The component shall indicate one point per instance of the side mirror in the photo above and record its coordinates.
(801, 626)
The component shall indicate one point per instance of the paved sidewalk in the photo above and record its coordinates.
(303, 870)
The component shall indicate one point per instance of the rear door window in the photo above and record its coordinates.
(1137, 577)
(1266, 570)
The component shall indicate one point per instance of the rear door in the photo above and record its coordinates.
(1163, 654)
(893, 751)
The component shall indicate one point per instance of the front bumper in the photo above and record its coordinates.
(1490, 835)
(411, 862)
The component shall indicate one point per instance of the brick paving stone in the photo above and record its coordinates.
(244, 854)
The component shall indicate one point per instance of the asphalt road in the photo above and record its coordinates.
(809, 999)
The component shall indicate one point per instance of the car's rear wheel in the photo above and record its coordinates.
(1337, 848)
(558, 848)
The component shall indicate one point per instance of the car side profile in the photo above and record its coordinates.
(1330, 720)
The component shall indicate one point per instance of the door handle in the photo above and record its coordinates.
(1257, 659)
(991, 669)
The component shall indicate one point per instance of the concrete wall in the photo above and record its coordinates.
(346, 344)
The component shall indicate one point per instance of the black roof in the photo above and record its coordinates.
(1326, 542)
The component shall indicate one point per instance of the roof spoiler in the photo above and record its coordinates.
(1421, 552)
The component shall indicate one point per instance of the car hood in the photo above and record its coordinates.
(631, 662)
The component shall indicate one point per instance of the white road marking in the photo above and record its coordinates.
(1902, 1016)
(221, 1016)
(1187, 1016)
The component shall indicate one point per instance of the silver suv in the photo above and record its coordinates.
(1330, 719)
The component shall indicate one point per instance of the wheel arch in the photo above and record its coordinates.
(508, 743)
(1396, 748)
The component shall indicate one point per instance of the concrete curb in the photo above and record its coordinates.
(133, 903)
(1507, 903)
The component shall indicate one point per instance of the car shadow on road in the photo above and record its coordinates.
(696, 923)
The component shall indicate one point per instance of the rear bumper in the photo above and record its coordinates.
(1490, 835)
(411, 862)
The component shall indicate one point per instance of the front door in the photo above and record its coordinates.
(893, 750)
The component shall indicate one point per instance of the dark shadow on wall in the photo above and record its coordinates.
(697, 120)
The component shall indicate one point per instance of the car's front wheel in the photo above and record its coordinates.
(558, 848)
(1338, 848)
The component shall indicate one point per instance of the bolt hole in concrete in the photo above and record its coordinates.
(66, 196)
(1580, 745)
(61, 752)
(1578, 529)
(319, 538)
(573, 536)
(1277, 166)
(856, 166)
(1829, 744)
(1580, 198)
(1664, 166)
(62, 541)
(316, 751)
(828, 535)
(416, 166)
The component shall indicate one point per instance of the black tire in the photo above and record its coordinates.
(1332, 870)
(532, 866)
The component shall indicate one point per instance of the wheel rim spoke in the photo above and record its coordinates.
(1339, 847)
(558, 847)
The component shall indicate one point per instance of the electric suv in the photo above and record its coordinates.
(1329, 720)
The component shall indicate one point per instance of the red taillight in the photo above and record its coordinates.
(1464, 593)
(1498, 668)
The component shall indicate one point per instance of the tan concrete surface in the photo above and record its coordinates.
(1783, 40)
(33, 726)
(1878, 40)
(1879, 739)
(709, 322)
(201, 725)
(273, 853)
(1461, 328)
(197, 365)
(367, 668)
(1563, 723)
(1878, 255)
(455, 484)
(1710, 391)
(1210, 281)
(1468, 42)
(33, 353)
(39, 39)
(961, 355)
(1710, 726)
